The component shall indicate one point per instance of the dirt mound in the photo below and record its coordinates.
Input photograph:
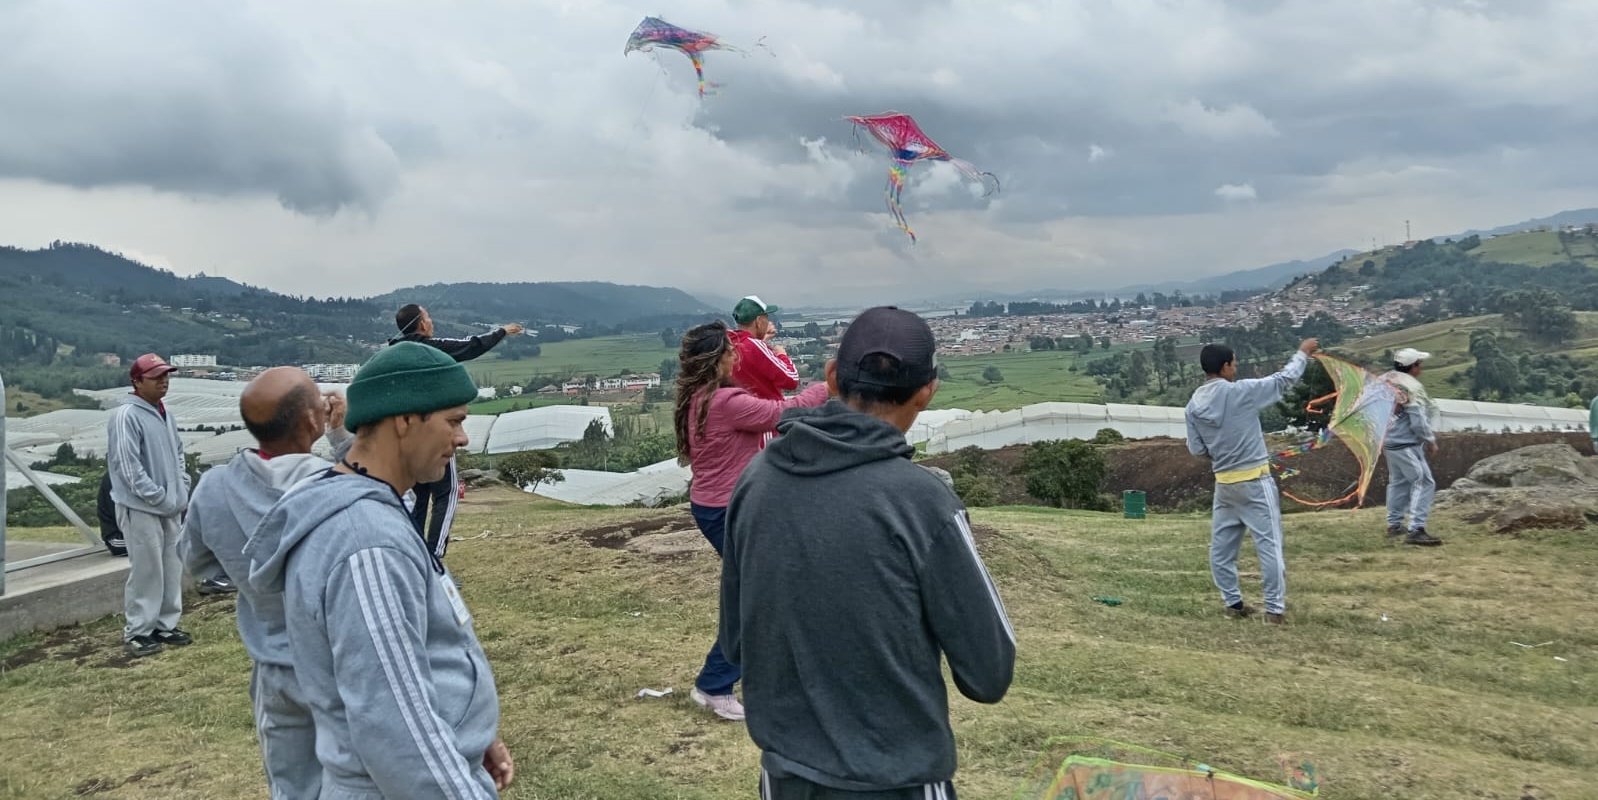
(1174, 480)
(618, 536)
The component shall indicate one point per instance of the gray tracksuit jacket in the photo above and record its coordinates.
(225, 508)
(848, 574)
(1223, 417)
(145, 459)
(403, 697)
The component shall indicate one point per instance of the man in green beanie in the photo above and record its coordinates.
(383, 647)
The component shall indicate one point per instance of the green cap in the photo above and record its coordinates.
(406, 378)
(751, 307)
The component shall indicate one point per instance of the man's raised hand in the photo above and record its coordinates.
(513, 329)
(1309, 346)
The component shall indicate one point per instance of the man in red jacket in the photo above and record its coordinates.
(763, 369)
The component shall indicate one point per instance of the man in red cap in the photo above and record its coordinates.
(150, 487)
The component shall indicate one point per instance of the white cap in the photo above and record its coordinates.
(1409, 355)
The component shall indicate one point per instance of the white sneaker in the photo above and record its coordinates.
(725, 706)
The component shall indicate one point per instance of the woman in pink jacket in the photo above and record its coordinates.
(720, 429)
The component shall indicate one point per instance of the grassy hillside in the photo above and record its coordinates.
(1396, 677)
(1449, 343)
(602, 356)
(1039, 377)
(1539, 249)
(1527, 248)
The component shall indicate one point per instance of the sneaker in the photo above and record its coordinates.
(141, 646)
(1394, 531)
(1240, 611)
(725, 706)
(1275, 619)
(176, 637)
(218, 585)
(1420, 538)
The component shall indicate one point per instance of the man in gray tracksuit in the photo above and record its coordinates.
(1223, 425)
(285, 413)
(384, 653)
(144, 457)
(1410, 439)
(840, 619)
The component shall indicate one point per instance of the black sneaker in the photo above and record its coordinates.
(141, 646)
(1275, 618)
(1239, 611)
(1420, 538)
(218, 585)
(176, 637)
(1394, 531)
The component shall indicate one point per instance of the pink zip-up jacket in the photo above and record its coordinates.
(735, 428)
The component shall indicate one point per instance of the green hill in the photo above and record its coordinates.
(587, 303)
(1448, 341)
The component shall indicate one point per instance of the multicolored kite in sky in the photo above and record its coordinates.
(1362, 410)
(655, 32)
(907, 144)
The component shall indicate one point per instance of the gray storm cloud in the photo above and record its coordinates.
(196, 98)
(514, 141)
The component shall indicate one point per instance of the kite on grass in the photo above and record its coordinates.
(655, 32)
(1099, 769)
(1362, 410)
(907, 144)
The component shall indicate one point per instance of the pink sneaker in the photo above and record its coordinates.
(725, 706)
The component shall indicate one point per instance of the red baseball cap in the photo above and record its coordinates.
(149, 365)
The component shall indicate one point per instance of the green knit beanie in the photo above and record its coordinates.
(406, 378)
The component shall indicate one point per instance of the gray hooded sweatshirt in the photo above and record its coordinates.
(228, 503)
(144, 457)
(1223, 417)
(402, 694)
(848, 573)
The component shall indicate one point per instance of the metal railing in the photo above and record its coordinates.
(89, 535)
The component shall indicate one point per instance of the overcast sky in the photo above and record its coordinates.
(354, 147)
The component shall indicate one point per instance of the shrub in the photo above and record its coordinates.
(1064, 474)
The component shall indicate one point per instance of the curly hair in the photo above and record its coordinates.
(698, 376)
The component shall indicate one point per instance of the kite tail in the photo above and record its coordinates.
(896, 178)
(699, 70)
(989, 181)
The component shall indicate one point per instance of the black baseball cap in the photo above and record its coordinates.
(889, 331)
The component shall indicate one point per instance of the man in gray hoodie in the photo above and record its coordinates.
(284, 412)
(841, 619)
(383, 648)
(150, 487)
(1223, 425)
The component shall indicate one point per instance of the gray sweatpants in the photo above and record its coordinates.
(153, 597)
(286, 732)
(1248, 506)
(1410, 487)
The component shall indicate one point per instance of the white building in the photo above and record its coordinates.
(332, 373)
(192, 360)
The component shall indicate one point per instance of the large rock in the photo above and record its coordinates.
(1538, 465)
(1509, 510)
(1544, 486)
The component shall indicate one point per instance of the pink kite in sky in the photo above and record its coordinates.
(908, 144)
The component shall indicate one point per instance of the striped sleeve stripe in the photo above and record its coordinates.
(379, 607)
(792, 372)
(993, 591)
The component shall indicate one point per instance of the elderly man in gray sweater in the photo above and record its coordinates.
(151, 489)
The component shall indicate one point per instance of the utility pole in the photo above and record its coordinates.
(1407, 237)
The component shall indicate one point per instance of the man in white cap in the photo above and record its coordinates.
(1411, 438)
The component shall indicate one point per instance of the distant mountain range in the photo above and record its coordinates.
(66, 302)
(571, 303)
